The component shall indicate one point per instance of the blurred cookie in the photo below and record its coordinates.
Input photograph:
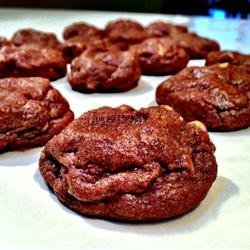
(218, 96)
(120, 163)
(232, 57)
(76, 45)
(31, 60)
(159, 56)
(103, 69)
(196, 46)
(81, 29)
(36, 37)
(31, 112)
(125, 32)
(162, 29)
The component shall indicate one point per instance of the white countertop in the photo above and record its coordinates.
(31, 216)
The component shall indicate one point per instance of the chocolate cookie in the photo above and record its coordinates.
(159, 56)
(120, 163)
(36, 37)
(31, 60)
(218, 96)
(31, 112)
(76, 45)
(162, 29)
(196, 46)
(100, 69)
(81, 29)
(125, 32)
(232, 57)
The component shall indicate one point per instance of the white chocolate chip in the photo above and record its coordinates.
(181, 118)
(198, 125)
(224, 65)
(161, 51)
(167, 107)
(91, 85)
(124, 107)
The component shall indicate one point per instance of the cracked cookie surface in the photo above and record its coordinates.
(163, 29)
(31, 112)
(217, 95)
(103, 69)
(196, 46)
(125, 32)
(31, 60)
(231, 57)
(120, 163)
(36, 37)
(81, 29)
(76, 45)
(160, 56)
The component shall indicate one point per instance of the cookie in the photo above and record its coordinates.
(31, 60)
(101, 69)
(159, 56)
(162, 29)
(31, 112)
(76, 45)
(125, 32)
(81, 29)
(124, 164)
(36, 37)
(196, 46)
(218, 96)
(231, 57)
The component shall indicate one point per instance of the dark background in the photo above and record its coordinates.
(226, 8)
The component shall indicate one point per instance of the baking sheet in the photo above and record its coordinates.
(31, 217)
